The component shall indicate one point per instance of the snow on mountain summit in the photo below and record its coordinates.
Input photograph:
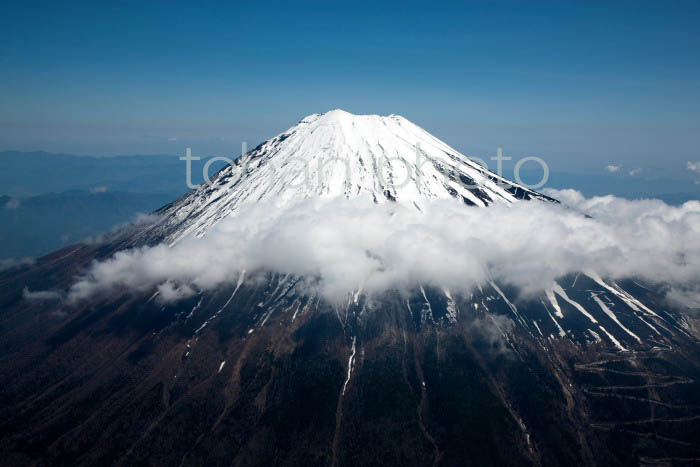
(388, 159)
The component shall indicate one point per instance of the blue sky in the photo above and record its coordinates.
(580, 84)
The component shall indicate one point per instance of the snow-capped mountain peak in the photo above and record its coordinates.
(388, 159)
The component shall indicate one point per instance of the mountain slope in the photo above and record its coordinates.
(387, 159)
(265, 370)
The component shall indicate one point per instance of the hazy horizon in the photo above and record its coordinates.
(582, 85)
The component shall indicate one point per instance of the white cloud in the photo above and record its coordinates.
(139, 220)
(492, 329)
(169, 292)
(613, 168)
(693, 166)
(343, 245)
(685, 297)
(634, 172)
(41, 295)
(98, 189)
(13, 203)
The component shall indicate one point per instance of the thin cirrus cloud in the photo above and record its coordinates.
(346, 245)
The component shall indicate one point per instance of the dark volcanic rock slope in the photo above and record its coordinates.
(266, 375)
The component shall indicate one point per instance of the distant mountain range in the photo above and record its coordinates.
(51, 200)
(37, 225)
(34, 173)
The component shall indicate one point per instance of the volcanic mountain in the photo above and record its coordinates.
(340, 154)
(266, 369)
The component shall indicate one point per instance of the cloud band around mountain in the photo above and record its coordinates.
(346, 245)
